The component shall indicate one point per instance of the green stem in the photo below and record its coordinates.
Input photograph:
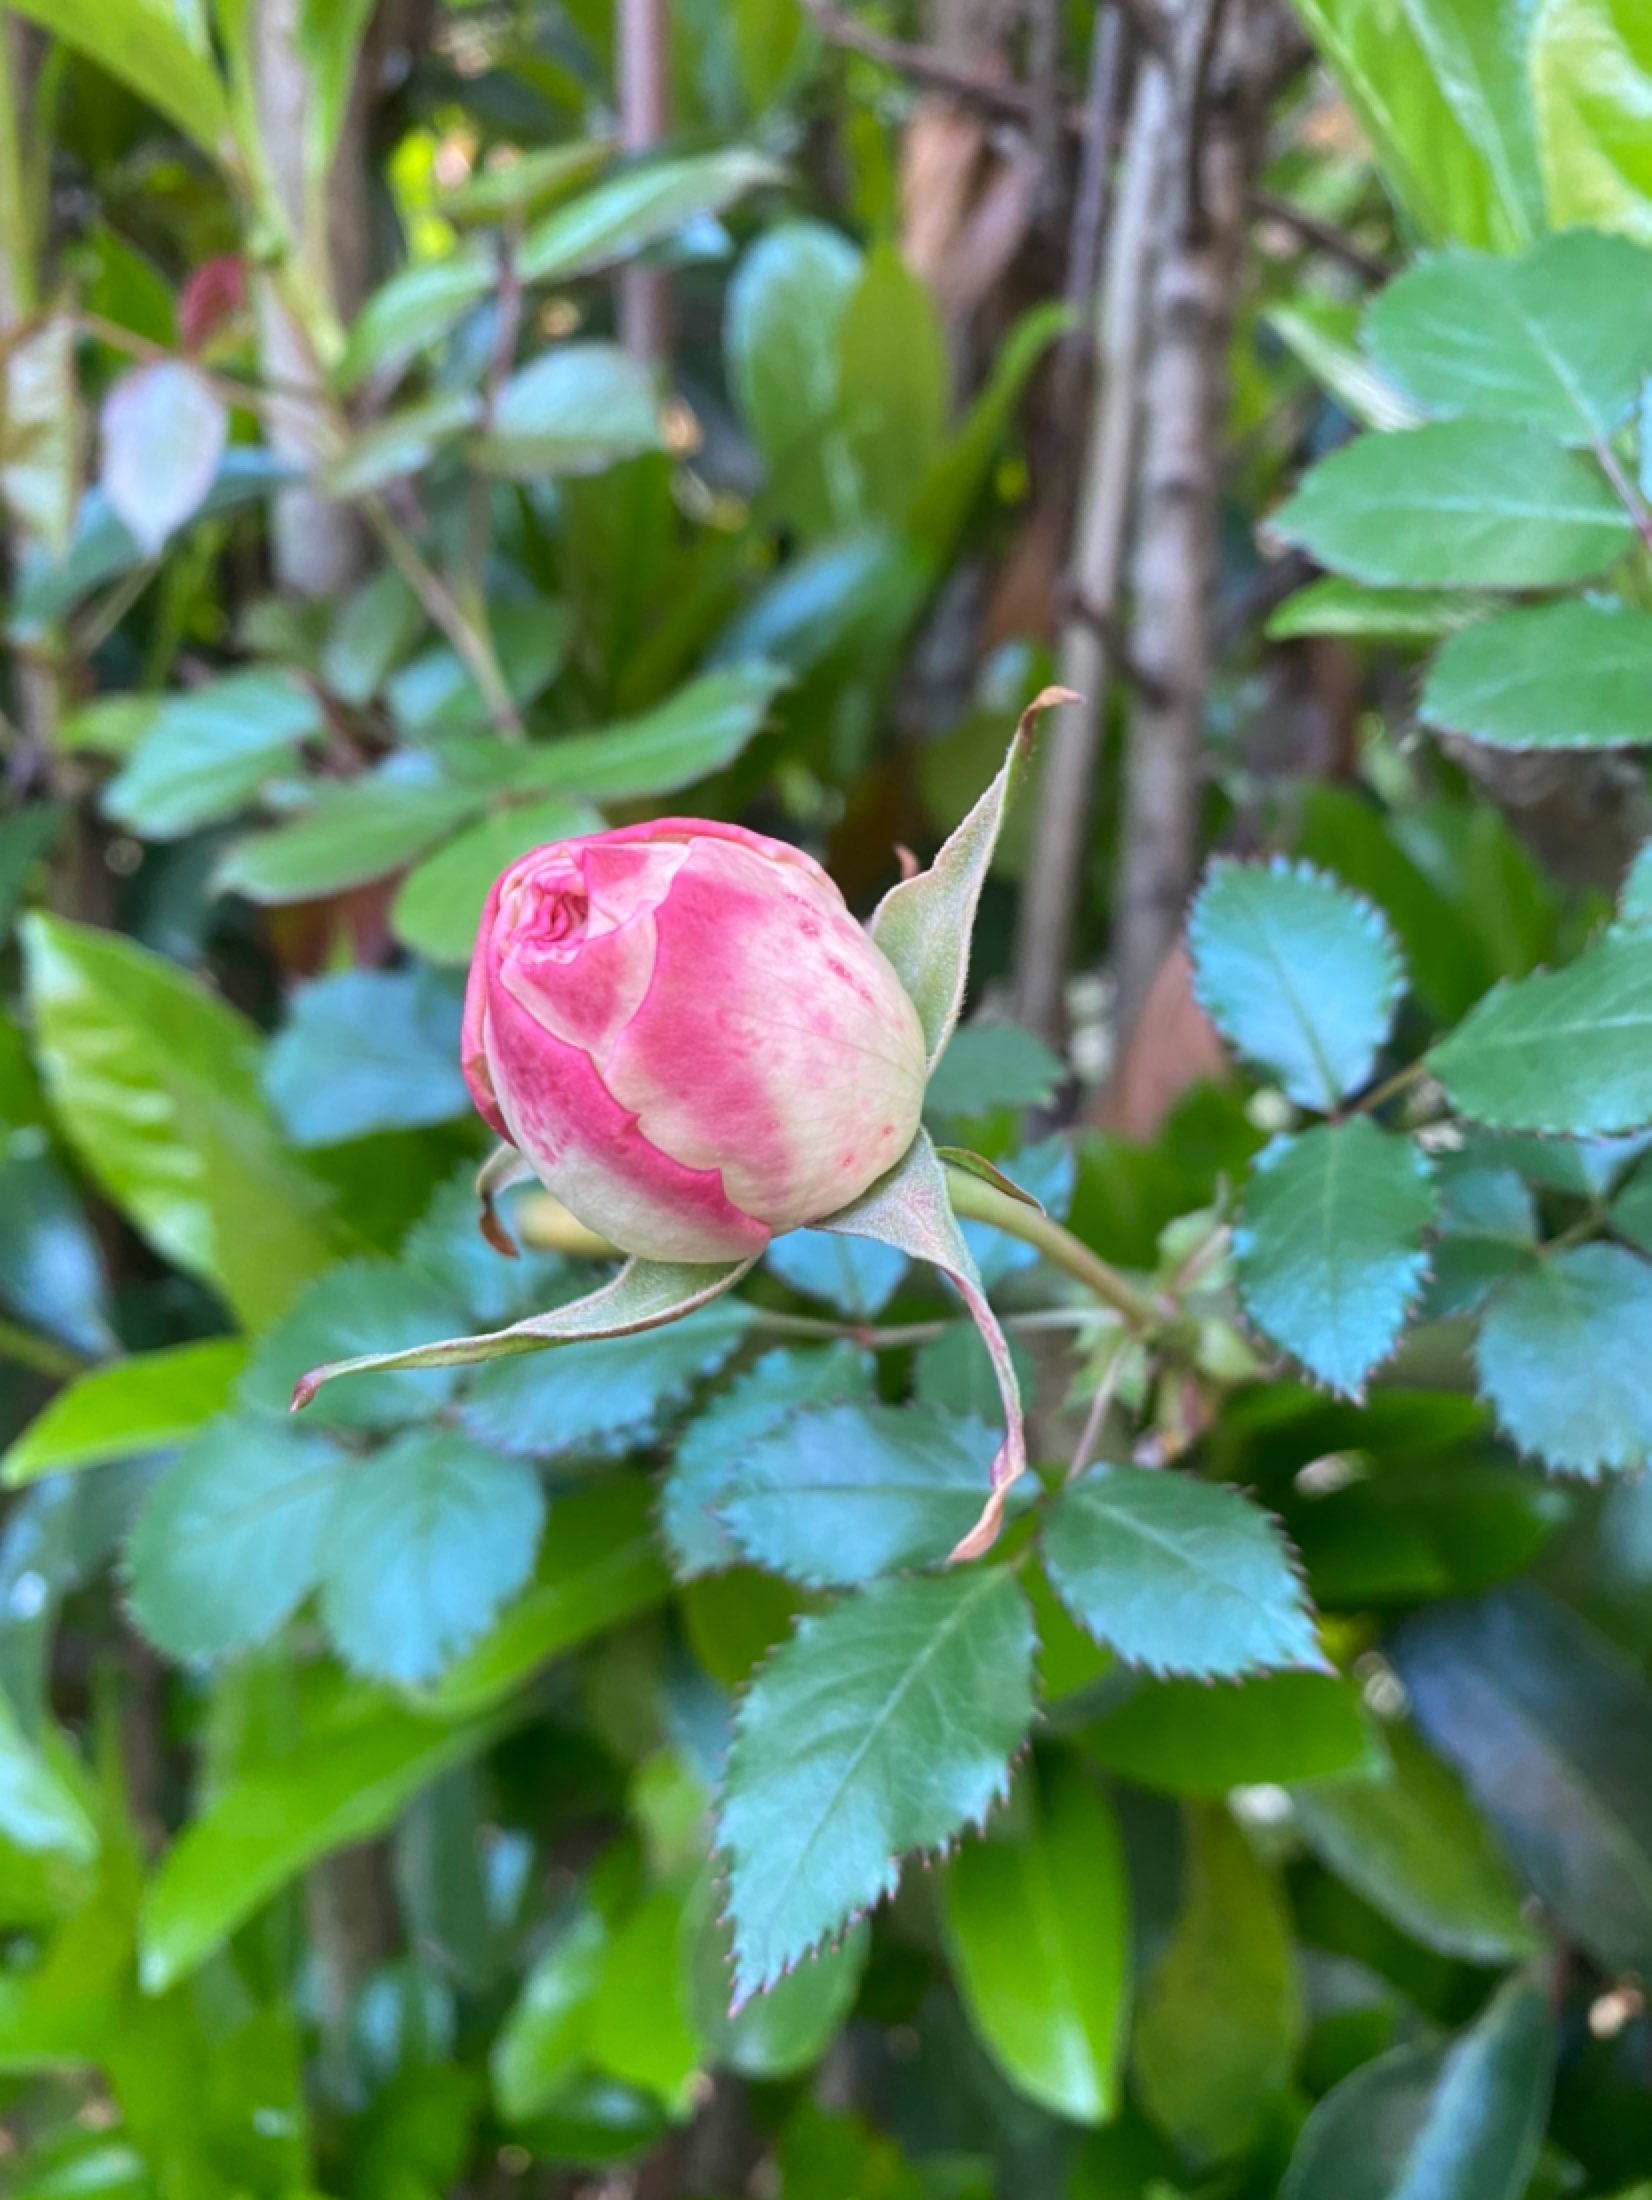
(43, 1355)
(16, 229)
(974, 1200)
(469, 639)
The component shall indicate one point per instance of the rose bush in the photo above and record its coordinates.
(688, 1037)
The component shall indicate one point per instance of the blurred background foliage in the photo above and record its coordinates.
(435, 429)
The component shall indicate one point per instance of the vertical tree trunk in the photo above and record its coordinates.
(318, 544)
(642, 60)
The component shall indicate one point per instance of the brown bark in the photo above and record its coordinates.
(642, 31)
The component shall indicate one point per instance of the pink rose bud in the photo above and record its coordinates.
(689, 1037)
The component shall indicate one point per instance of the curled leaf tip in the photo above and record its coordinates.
(1045, 699)
(306, 1387)
(985, 1532)
(488, 1222)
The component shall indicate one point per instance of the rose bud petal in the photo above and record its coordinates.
(689, 1037)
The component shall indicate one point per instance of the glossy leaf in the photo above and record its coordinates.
(156, 1083)
(840, 1494)
(892, 380)
(1335, 606)
(1187, 1738)
(354, 831)
(1409, 1840)
(40, 1812)
(1569, 675)
(1460, 2122)
(1330, 1246)
(159, 50)
(573, 410)
(1590, 63)
(1552, 1731)
(1220, 2015)
(540, 2046)
(1558, 338)
(1566, 1051)
(626, 212)
(1178, 1575)
(1564, 1354)
(1037, 1923)
(1458, 504)
(364, 1051)
(1635, 898)
(885, 1724)
(703, 727)
(207, 753)
(229, 1543)
(780, 2033)
(1299, 974)
(425, 1541)
(783, 333)
(164, 431)
(147, 1403)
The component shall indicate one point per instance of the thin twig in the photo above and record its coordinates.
(472, 644)
(42, 1355)
(1627, 494)
(925, 66)
(1324, 235)
(1106, 1392)
(1390, 1086)
(1092, 204)
(1194, 94)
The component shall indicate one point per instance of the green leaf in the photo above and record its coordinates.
(527, 184)
(51, 1264)
(164, 430)
(1334, 606)
(840, 1494)
(228, 1544)
(1552, 1731)
(783, 334)
(756, 1404)
(1330, 1246)
(206, 754)
(573, 410)
(540, 2046)
(609, 1394)
(372, 633)
(856, 1275)
(39, 1809)
(355, 831)
(1188, 1738)
(1458, 504)
(425, 1541)
(954, 482)
(1408, 1839)
(1630, 1213)
(1178, 1575)
(641, 2024)
(884, 1724)
(438, 906)
(702, 728)
(1324, 334)
(147, 1403)
(156, 48)
(156, 1084)
(1037, 1923)
(1565, 1356)
(416, 307)
(1459, 2122)
(1559, 338)
(925, 923)
(783, 2032)
(989, 1066)
(1590, 67)
(348, 1777)
(1488, 1230)
(626, 212)
(1569, 675)
(376, 1306)
(1299, 974)
(1567, 1051)
(1635, 897)
(892, 384)
(40, 435)
(403, 442)
(1220, 2016)
(364, 1051)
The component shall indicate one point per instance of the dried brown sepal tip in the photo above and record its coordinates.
(1045, 699)
(909, 864)
(488, 1222)
(503, 1168)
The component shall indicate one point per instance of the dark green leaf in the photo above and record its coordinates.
(1188, 1738)
(26, 838)
(540, 2045)
(1565, 1357)
(40, 1810)
(884, 1724)
(1217, 2030)
(783, 334)
(892, 384)
(609, 1393)
(355, 831)
(367, 1050)
(1301, 975)
(573, 410)
(1178, 1575)
(156, 1083)
(1559, 337)
(51, 1263)
(1461, 2122)
(376, 1308)
(147, 1403)
(757, 1403)
(438, 906)
(1553, 1733)
(1567, 675)
(856, 1275)
(425, 1541)
(208, 752)
(1488, 1230)
(1037, 1921)
(839, 1494)
(1565, 1051)
(1630, 1213)
(1330, 1246)
(780, 2033)
(1410, 1841)
(374, 630)
(1458, 504)
(228, 1545)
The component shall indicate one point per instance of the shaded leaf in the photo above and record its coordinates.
(1329, 1246)
(624, 213)
(702, 728)
(364, 1051)
(992, 1066)
(783, 333)
(1189, 1739)
(780, 2033)
(1564, 1354)
(573, 410)
(206, 753)
(1178, 1575)
(1488, 1230)
(40, 1811)
(158, 49)
(354, 831)
(402, 442)
(883, 1725)
(164, 432)
(892, 383)
(147, 1403)
(1298, 973)
(1567, 675)
(856, 1275)
(1332, 605)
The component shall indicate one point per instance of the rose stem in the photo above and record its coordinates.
(974, 1200)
